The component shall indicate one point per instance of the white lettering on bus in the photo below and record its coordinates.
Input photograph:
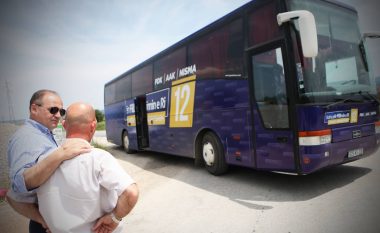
(130, 109)
(170, 77)
(163, 102)
(156, 105)
(158, 81)
(187, 70)
(151, 106)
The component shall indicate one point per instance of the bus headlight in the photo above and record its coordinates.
(314, 138)
(377, 126)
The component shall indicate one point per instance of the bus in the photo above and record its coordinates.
(282, 86)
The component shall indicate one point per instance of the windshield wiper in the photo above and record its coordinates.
(369, 95)
(346, 100)
(349, 99)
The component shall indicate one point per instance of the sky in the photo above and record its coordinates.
(75, 46)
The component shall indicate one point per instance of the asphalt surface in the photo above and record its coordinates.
(178, 197)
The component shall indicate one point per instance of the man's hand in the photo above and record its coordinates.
(105, 224)
(73, 147)
(41, 221)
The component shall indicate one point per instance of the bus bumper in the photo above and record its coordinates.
(313, 158)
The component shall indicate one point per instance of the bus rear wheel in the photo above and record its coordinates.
(126, 143)
(213, 154)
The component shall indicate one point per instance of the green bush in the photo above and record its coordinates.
(99, 115)
(101, 125)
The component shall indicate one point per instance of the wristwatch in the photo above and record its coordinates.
(115, 219)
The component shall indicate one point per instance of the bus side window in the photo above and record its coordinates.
(219, 54)
(142, 80)
(109, 94)
(270, 89)
(260, 32)
(166, 67)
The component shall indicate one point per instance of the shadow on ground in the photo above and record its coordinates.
(246, 186)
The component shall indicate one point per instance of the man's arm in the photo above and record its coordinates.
(125, 203)
(28, 210)
(127, 200)
(39, 173)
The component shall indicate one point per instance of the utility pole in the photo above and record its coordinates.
(10, 105)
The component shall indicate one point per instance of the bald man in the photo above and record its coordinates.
(91, 192)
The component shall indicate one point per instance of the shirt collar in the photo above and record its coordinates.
(38, 126)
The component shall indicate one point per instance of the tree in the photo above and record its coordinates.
(99, 115)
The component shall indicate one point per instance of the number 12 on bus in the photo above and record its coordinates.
(274, 85)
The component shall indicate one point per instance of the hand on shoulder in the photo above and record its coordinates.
(74, 146)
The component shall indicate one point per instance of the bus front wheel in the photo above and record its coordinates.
(213, 154)
(126, 144)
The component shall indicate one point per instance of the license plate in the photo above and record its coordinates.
(356, 152)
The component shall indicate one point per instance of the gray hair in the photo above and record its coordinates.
(38, 95)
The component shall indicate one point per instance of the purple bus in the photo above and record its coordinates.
(274, 85)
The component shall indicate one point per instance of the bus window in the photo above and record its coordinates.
(262, 25)
(109, 94)
(166, 67)
(142, 81)
(220, 53)
(123, 88)
(270, 89)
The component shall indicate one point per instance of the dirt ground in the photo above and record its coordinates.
(10, 221)
(6, 131)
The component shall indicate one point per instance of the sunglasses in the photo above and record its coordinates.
(54, 110)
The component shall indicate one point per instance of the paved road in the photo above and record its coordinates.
(178, 197)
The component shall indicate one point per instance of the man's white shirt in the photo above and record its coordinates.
(82, 190)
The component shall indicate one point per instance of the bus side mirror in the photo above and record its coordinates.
(307, 27)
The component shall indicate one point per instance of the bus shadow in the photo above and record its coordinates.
(248, 187)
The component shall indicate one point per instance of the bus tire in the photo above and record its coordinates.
(213, 154)
(126, 143)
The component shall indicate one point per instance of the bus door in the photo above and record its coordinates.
(141, 122)
(273, 140)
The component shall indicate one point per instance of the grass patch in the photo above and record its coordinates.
(101, 125)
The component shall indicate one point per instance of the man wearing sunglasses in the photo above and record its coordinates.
(25, 148)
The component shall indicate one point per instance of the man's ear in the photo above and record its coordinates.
(64, 124)
(33, 109)
(93, 126)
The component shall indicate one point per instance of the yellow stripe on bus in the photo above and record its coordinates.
(157, 118)
(190, 78)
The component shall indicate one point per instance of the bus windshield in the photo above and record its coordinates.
(339, 71)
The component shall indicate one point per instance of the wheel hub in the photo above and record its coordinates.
(208, 154)
(126, 142)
